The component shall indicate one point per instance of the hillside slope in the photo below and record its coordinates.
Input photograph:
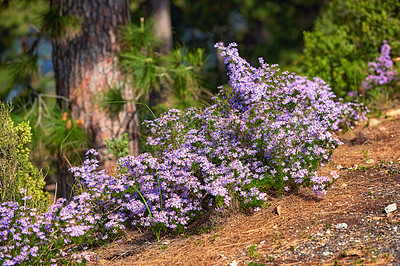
(348, 225)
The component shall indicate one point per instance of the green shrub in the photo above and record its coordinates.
(346, 38)
(118, 147)
(20, 180)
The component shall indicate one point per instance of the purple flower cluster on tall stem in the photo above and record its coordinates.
(381, 71)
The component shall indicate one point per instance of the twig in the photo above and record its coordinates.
(55, 193)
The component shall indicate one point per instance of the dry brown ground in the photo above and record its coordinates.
(295, 228)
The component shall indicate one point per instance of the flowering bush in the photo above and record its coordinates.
(381, 72)
(155, 193)
(28, 237)
(31, 237)
(268, 131)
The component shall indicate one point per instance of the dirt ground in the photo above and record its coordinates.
(298, 228)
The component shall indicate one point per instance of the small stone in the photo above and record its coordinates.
(233, 263)
(341, 226)
(279, 210)
(328, 232)
(326, 253)
(93, 256)
(373, 122)
(395, 229)
(391, 208)
(393, 112)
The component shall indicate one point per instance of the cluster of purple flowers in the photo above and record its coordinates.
(381, 71)
(30, 237)
(16, 221)
(148, 192)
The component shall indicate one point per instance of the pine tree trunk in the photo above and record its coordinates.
(86, 66)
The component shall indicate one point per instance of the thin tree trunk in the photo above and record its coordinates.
(159, 12)
(86, 66)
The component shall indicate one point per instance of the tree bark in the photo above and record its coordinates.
(86, 66)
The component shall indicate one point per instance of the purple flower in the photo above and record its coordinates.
(381, 72)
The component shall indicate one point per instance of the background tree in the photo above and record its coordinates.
(159, 15)
(159, 11)
(87, 72)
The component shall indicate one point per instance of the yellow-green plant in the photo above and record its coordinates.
(20, 181)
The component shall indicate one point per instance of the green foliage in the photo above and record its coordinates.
(24, 66)
(255, 264)
(113, 101)
(253, 252)
(284, 22)
(346, 38)
(19, 24)
(118, 147)
(55, 134)
(18, 177)
(268, 28)
(16, 19)
(62, 135)
(58, 26)
(176, 72)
